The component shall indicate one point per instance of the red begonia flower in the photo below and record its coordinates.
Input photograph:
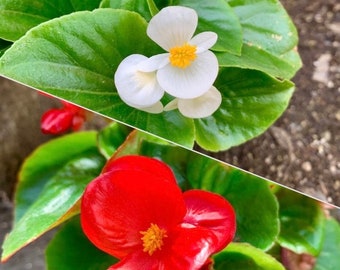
(136, 212)
(58, 121)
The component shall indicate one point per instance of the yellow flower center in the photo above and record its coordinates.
(153, 238)
(182, 56)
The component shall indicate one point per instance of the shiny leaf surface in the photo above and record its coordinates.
(302, 223)
(111, 137)
(37, 170)
(251, 102)
(17, 17)
(57, 201)
(242, 256)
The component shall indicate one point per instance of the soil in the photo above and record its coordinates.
(301, 150)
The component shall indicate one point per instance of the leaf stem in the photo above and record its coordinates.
(152, 7)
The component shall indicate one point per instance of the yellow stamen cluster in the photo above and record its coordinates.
(153, 238)
(182, 56)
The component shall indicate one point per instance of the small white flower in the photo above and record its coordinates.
(137, 88)
(189, 69)
(199, 107)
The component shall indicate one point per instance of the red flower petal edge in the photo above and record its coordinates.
(136, 212)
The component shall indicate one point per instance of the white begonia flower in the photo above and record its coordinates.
(199, 107)
(137, 88)
(189, 69)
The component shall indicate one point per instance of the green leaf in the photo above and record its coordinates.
(58, 201)
(152, 7)
(251, 102)
(133, 143)
(283, 66)
(266, 25)
(70, 249)
(329, 257)
(219, 17)
(17, 17)
(45, 162)
(268, 36)
(138, 6)
(302, 223)
(111, 137)
(255, 206)
(242, 256)
(75, 57)
(174, 156)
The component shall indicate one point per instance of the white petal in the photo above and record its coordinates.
(153, 63)
(172, 26)
(155, 108)
(190, 82)
(204, 41)
(172, 105)
(202, 106)
(136, 87)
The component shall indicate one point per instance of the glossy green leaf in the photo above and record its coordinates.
(45, 162)
(302, 223)
(174, 156)
(133, 143)
(251, 102)
(75, 57)
(70, 249)
(329, 257)
(284, 66)
(266, 25)
(138, 6)
(242, 256)
(255, 206)
(268, 36)
(57, 201)
(17, 17)
(111, 137)
(219, 17)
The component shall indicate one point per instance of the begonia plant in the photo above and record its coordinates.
(219, 70)
(124, 199)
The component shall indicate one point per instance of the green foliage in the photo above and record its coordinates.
(56, 193)
(58, 171)
(70, 249)
(242, 256)
(17, 17)
(329, 257)
(302, 223)
(75, 57)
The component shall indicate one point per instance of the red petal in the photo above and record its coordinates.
(141, 163)
(72, 108)
(118, 205)
(213, 212)
(77, 122)
(185, 249)
(56, 121)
